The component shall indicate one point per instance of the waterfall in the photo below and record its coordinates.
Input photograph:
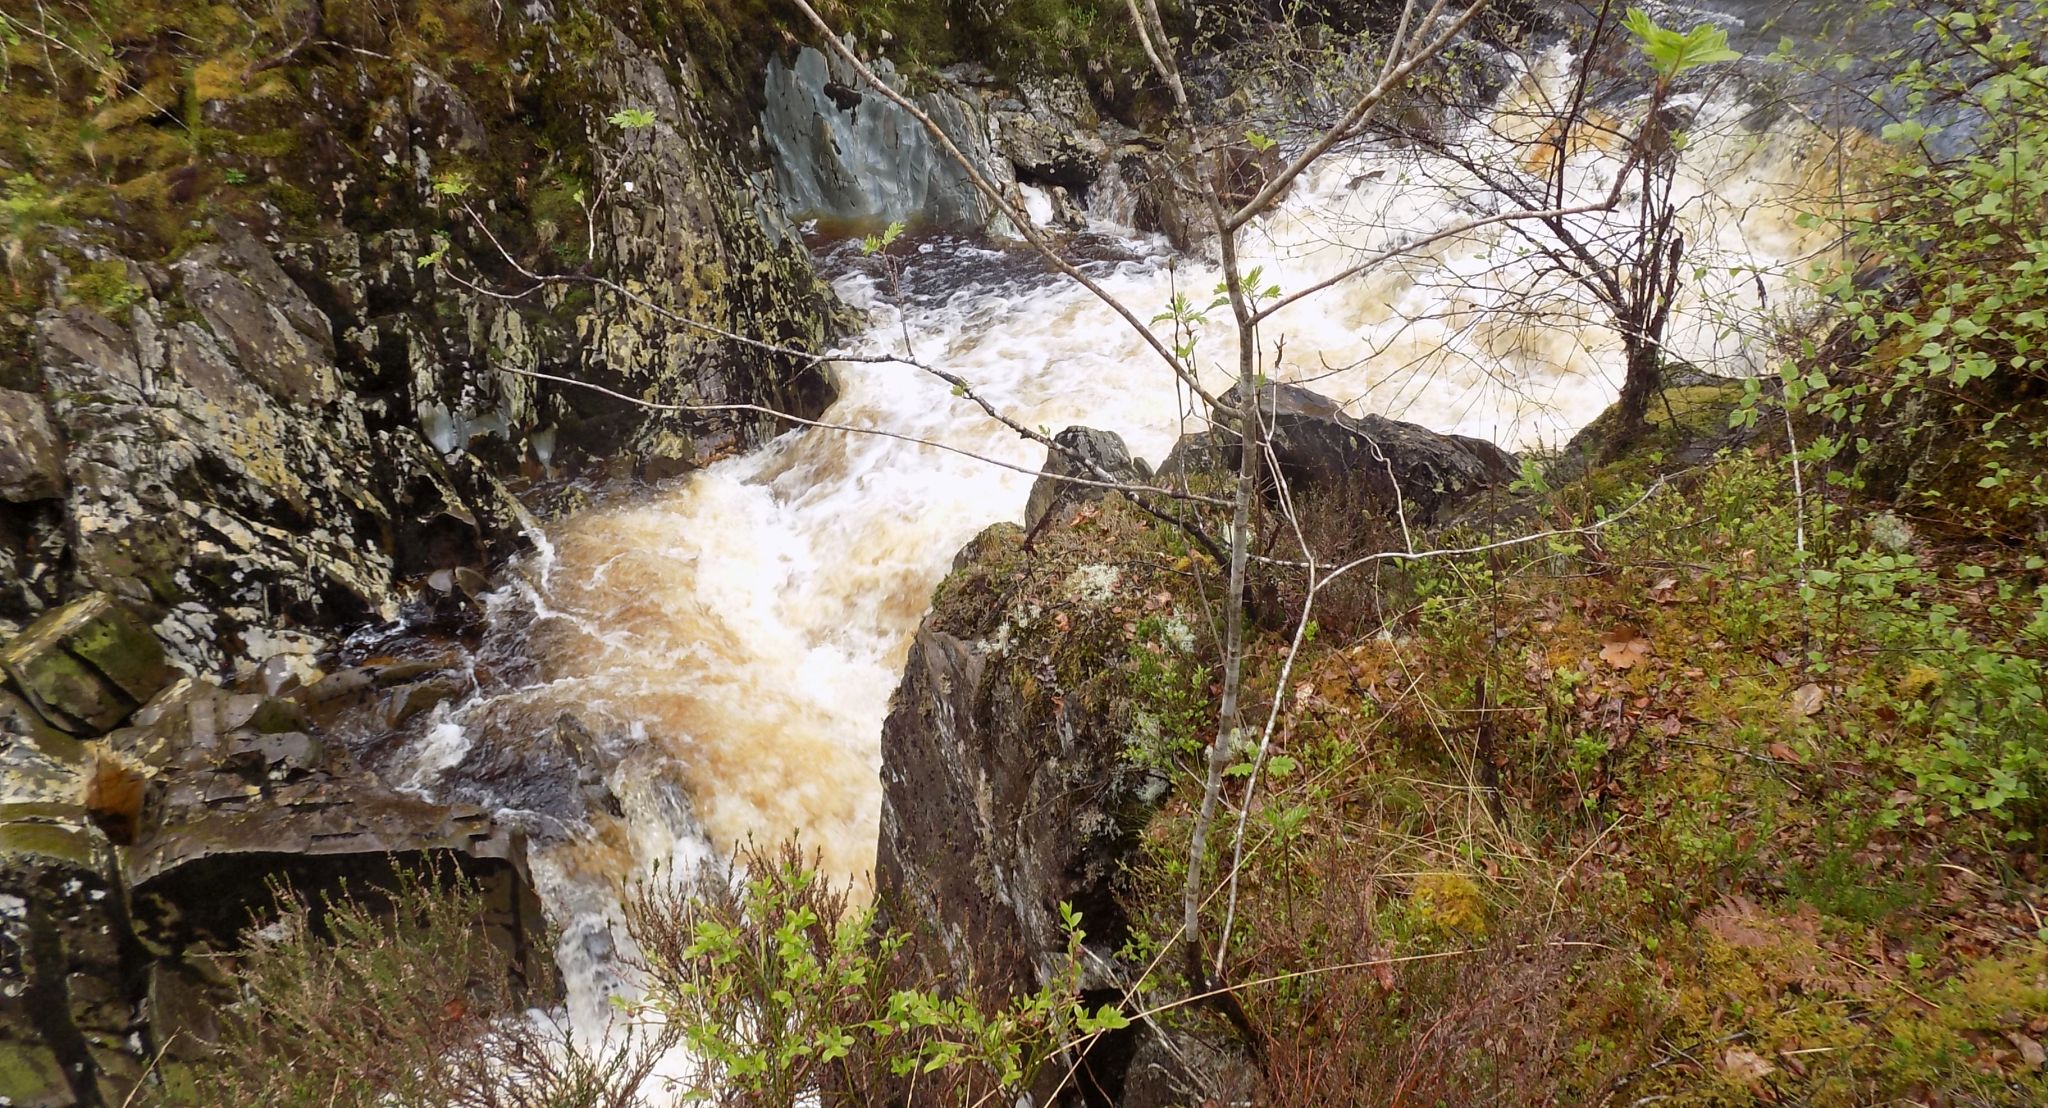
(737, 633)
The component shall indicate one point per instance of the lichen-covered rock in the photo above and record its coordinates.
(1020, 766)
(689, 232)
(211, 462)
(1103, 455)
(127, 864)
(246, 405)
(1051, 135)
(31, 458)
(1008, 788)
(87, 665)
(1318, 446)
(68, 956)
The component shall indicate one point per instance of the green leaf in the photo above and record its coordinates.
(1107, 1018)
(454, 182)
(1672, 53)
(632, 119)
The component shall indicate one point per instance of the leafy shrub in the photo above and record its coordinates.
(783, 991)
(1947, 308)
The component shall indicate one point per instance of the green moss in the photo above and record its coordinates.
(79, 846)
(29, 1074)
(105, 286)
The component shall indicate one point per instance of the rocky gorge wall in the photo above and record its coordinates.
(265, 334)
(270, 417)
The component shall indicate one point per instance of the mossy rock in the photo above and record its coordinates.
(87, 665)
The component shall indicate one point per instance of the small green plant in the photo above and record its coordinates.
(1673, 53)
(105, 286)
(875, 244)
(434, 256)
(781, 989)
(632, 119)
(1187, 321)
(454, 183)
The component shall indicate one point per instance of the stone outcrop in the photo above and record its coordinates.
(844, 151)
(31, 457)
(253, 398)
(266, 427)
(1370, 458)
(1102, 456)
(128, 863)
(86, 666)
(1014, 772)
(1002, 801)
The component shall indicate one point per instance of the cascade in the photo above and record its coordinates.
(734, 635)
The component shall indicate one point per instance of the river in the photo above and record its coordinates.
(737, 633)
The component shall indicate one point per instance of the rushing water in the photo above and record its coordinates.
(735, 635)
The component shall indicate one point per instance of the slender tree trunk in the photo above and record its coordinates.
(1632, 411)
(1229, 725)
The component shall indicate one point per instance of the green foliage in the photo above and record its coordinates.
(878, 243)
(25, 206)
(1945, 667)
(1954, 342)
(632, 119)
(1015, 38)
(433, 257)
(781, 989)
(454, 183)
(1673, 53)
(1169, 690)
(105, 286)
(1188, 320)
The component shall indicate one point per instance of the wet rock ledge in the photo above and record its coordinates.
(147, 818)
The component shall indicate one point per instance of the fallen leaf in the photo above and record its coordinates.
(1746, 1066)
(1623, 648)
(1665, 591)
(1783, 753)
(1806, 700)
(2030, 1049)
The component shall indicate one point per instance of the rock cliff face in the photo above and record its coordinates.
(269, 322)
(256, 427)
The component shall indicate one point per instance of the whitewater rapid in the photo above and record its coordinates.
(743, 628)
